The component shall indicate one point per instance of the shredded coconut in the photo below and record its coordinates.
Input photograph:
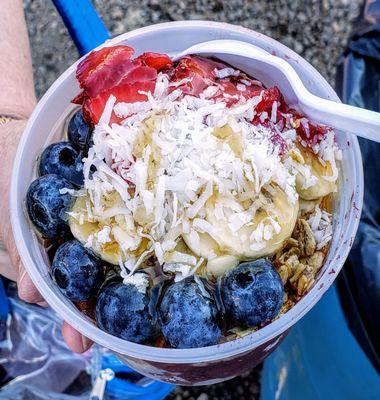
(321, 225)
(181, 271)
(103, 235)
(126, 109)
(138, 279)
(226, 72)
(73, 192)
(175, 160)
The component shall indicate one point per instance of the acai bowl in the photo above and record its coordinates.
(248, 345)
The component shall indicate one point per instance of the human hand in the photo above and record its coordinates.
(12, 267)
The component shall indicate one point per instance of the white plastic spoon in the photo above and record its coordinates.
(272, 70)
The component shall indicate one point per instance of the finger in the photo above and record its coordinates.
(11, 258)
(26, 289)
(6, 268)
(75, 340)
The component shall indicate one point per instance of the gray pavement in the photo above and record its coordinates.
(316, 29)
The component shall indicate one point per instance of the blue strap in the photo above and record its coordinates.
(4, 303)
(119, 388)
(122, 389)
(83, 23)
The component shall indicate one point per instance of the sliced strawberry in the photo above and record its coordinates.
(269, 96)
(156, 60)
(187, 68)
(313, 135)
(200, 70)
(201, 66)
(228, 92)
(111, 71)
(140, 74)
(80, 98)
(99, 58)
(204, 66)
(104, 68)
(307, 131)
(252, 91)
(195, 86)
(128, 93)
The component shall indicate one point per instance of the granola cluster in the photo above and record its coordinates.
(298, 263)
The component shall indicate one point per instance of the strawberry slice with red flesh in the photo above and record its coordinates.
(141, 73)
(111, 71)
(309, 132)
(251, 90)
(157, 61)
(138, 73)
(268, 97)
(104, 68)
(230, 93)
(127, 93)
(80, 98)
(200, 70)
(204, 67)
(313, 134)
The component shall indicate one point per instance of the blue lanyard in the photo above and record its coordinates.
(83, 23)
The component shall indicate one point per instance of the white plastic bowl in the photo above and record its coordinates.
(183, 366)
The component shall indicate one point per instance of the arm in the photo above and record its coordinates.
(17, 100)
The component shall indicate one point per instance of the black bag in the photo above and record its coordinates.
(358, 83)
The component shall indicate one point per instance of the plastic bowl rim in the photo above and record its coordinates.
(204, 354)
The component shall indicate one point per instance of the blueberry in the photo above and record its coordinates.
(47, 207)
(78, 131)
(77, 271)
(62, 159)
(252, 293)
(124, 311)
(188, 315)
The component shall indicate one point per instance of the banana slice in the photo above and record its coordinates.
(111, 238)
(264, 235)
(307, 206)
(219, 265)
(322, 187)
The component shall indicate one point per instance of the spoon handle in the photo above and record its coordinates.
(358, 121)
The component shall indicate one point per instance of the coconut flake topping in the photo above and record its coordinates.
(160, 171)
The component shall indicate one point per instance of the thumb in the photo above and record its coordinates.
(6, 268)
(75, 341)
(26, 289)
